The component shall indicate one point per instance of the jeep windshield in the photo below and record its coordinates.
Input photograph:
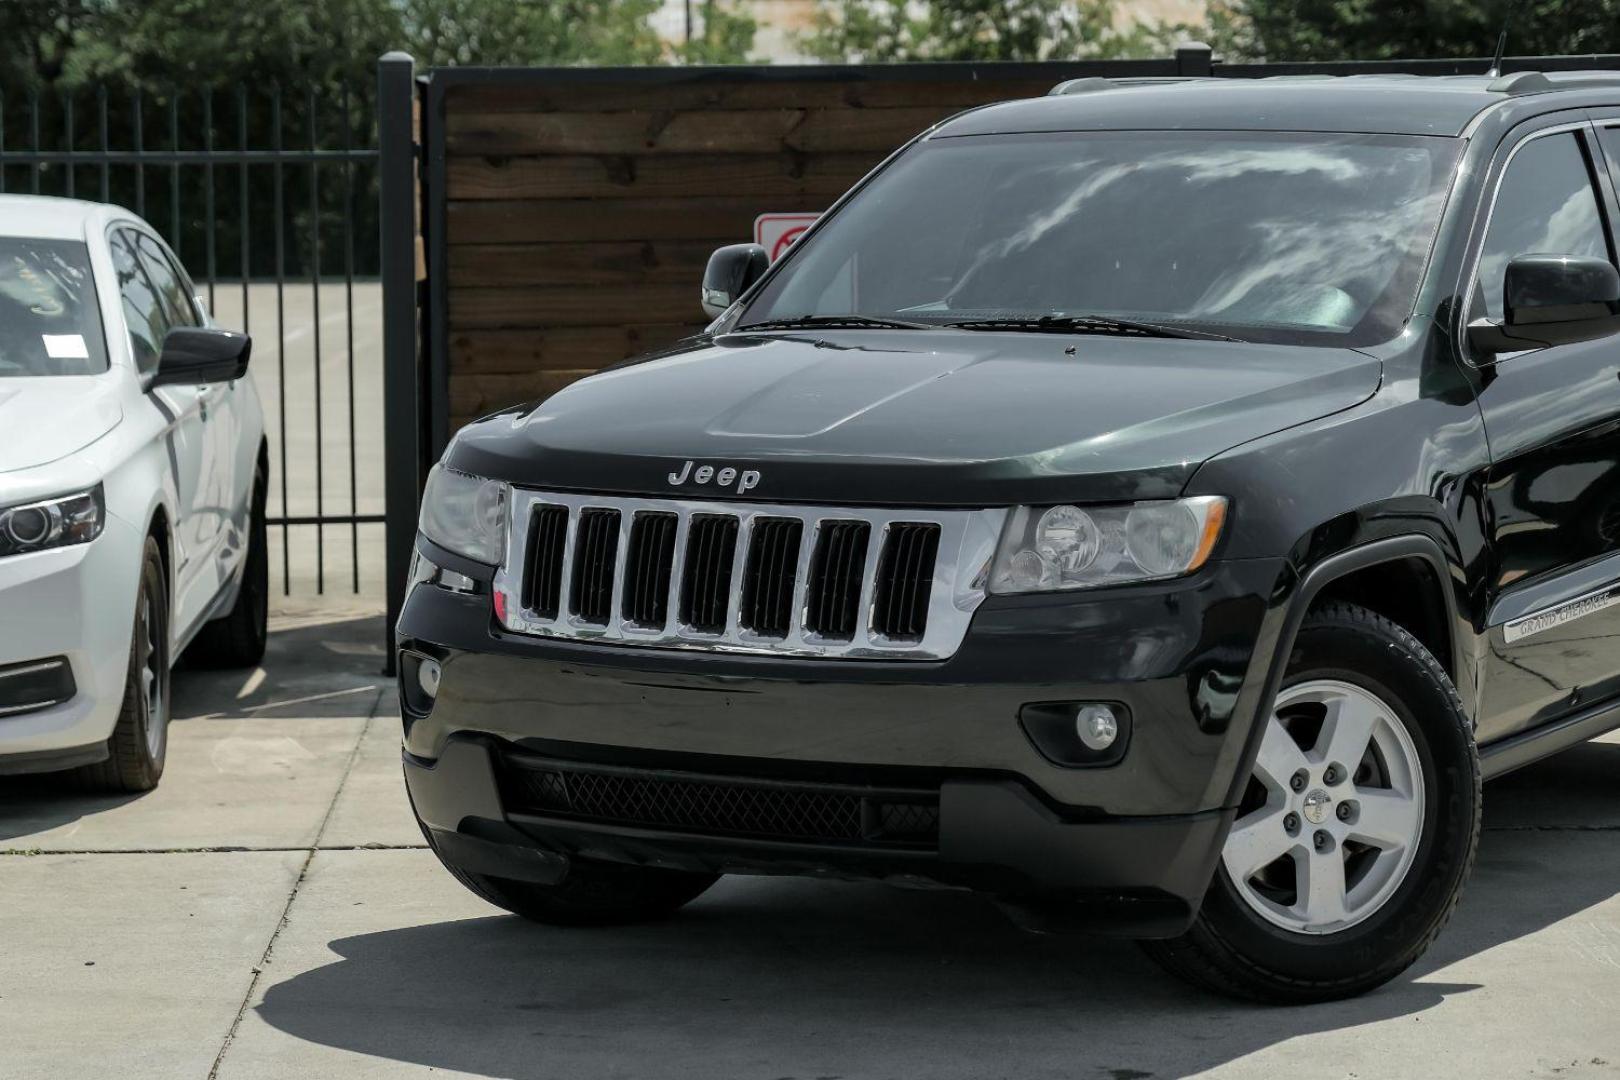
(1260, 236)
(49, 321)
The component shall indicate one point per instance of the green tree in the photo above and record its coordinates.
(903, 30)
(1403, 29)
(723, 36)
(441, 33)
(38, 39)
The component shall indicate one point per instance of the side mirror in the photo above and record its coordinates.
(731, 272)
(202, 354)
(1552, 300)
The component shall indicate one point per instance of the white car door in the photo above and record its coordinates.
(229, 464)
(147, 317)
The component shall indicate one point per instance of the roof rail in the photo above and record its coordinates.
(1521, 82)
(1080, 86)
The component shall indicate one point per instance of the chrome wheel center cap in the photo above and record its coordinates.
(1315, 807)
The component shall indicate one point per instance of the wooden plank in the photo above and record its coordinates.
(618, 263)
(799, 94)
(649, 176)
(569, 305)
(717, 131)
(557, 348)
(724, 219)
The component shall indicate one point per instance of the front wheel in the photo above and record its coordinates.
(1357, 830)
(139, 743)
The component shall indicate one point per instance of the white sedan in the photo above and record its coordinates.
(133, 473)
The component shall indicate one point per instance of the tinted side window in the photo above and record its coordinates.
(1609, 137)
(167, 279)
(144, 310)
(1545, 205)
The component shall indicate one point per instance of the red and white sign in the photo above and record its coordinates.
(776, 232)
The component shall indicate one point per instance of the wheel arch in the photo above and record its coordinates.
(1317, 583)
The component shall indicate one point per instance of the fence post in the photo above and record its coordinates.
(396, 220)
(1194, 59)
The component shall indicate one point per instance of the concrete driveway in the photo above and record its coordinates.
(269, 911)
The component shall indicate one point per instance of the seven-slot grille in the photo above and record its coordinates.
(742, 576)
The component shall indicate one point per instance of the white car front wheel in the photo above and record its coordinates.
(140, 741)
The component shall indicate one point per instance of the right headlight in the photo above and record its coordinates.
(1044, 549)
(465, 514)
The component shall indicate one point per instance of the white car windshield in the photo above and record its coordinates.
(50, 323)
(1263, 236)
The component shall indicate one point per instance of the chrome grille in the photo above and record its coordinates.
(745, 577)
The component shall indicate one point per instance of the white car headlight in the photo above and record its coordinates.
(1066, 547)
(465, 514)
(50, 523)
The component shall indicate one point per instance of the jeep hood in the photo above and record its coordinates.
(47, 418)
(938, 418)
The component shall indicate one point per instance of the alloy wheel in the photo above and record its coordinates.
(1329, 827)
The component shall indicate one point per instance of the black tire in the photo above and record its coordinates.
(139, 743)
(592, 894)
(237, 639)
(1233, 950)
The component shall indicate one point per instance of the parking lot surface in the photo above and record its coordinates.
(269, 911)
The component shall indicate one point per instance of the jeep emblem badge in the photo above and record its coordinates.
(1316, 806)
(725, 476)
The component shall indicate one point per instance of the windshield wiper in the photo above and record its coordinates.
(833, 322)
(1089, 324)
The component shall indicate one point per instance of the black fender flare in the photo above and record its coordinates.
(1322, 574)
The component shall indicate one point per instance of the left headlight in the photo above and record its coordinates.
(51, 523)
(465, 514)
(1045, 549)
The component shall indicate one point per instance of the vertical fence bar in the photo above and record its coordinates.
(140, 149)
(33, 131)
(348, 325)
(315, 328)
(242, 199)
(106, 146)
(281, 332)
(2, 143)
(208, 201)
(396, 212)
(174, 176)
(67, 139)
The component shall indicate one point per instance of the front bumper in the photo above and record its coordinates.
(77, 602)
(1136, 841)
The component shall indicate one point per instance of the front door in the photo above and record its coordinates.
(1552, 417)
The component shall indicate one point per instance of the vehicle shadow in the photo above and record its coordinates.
(792, 978)
(313, 667)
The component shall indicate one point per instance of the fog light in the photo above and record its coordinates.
(1078, 733)
(427, 677)
(1097, 726)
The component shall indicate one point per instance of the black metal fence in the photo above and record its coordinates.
(270, 200)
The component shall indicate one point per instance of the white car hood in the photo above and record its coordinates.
(47, 418)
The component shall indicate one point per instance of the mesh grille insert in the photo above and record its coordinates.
(726, 806)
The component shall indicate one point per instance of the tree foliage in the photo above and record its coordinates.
(199, 44)
(903, 30)
(1408, 29)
